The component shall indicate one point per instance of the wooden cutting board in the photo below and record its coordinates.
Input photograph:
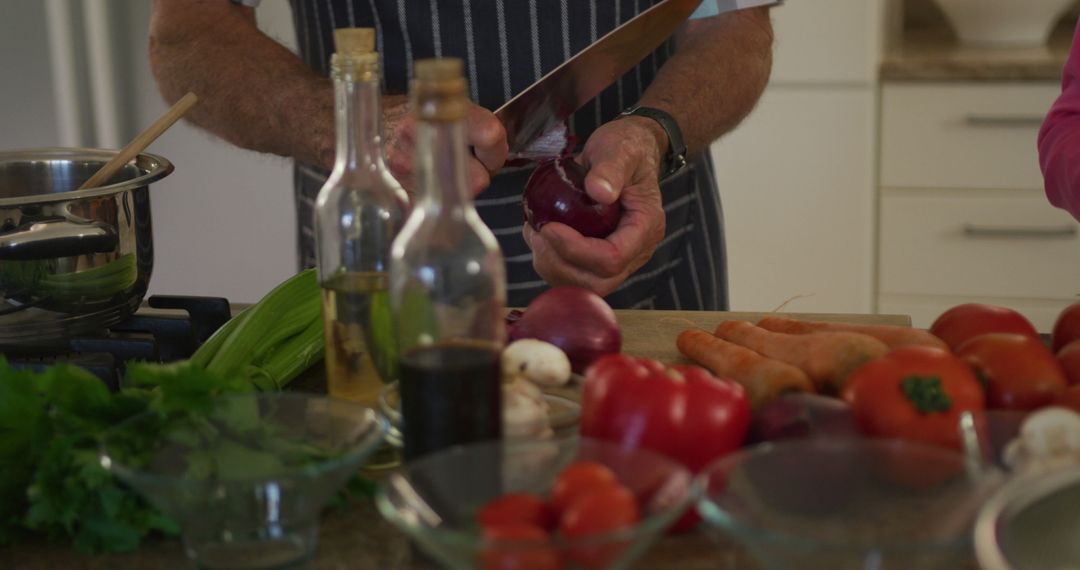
(652, 334)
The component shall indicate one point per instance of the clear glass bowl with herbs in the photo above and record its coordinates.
(246, 478)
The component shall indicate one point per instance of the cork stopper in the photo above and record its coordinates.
(355, 53)
(439, 89)
(349, 41)
(439, 69)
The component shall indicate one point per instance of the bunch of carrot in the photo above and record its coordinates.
(779, 355)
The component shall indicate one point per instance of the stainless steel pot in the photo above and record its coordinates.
(72, 261)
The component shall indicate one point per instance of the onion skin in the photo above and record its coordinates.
(574, 319)
(555, 192)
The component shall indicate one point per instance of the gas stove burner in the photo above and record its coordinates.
(145, 336)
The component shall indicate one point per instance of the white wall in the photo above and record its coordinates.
(26, 101)
(224, 221)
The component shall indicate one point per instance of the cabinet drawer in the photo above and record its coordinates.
(963, 135)
(977, 243)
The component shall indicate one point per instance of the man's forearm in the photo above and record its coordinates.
(715, 77)
(253, 92)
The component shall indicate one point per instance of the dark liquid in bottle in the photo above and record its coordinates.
(450, 395)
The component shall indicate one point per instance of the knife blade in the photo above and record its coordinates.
(565, 89)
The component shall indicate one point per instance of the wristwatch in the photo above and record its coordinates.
(675, 159)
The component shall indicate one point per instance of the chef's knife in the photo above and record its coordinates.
(565, 89)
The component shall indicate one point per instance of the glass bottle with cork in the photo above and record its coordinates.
(447, 282)
(358, 212)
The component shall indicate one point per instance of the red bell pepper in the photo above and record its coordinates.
(683, 412)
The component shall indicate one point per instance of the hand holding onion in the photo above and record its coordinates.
(621, 158)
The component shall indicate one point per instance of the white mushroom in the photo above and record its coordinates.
(525, 412)
(1051, 431)
(1048, 439)
(537, 361)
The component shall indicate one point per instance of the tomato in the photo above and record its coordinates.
(916, 393)
(511, 547)
(1066, 327)
(962, 322)
(516, 508)
(578, 478)
(1069, 359)
(1019, 371)
(599, 511)
(1069, 398)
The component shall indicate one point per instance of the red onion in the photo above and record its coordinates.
(555, 192)
(574, 319)
(803, 415)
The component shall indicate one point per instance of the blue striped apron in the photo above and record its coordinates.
(506, 46)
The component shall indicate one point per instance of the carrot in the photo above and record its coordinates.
(892, 336)
(826, 357)
(763, 378)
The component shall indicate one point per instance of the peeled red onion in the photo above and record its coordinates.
(555, 192)
(574, 319)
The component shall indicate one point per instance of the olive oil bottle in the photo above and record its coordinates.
(358, 212)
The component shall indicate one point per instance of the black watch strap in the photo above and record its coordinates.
(675, 159)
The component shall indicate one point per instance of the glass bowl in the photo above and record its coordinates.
(247, 480)
(435, 499)
(847, 504)
(563, 413)
(1032, 523)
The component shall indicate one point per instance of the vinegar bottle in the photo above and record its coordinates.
(358, 212)
(447, 282)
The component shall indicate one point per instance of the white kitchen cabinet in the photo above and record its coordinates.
(827, 42)
(797, 188)
(963, 135)
(963, 217)
(797, 178)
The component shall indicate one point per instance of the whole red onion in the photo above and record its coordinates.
(574, 319)
(555, 192)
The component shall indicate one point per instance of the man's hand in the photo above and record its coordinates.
(623, 159)
(484, 132)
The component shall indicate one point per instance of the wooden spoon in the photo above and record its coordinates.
(139, 143)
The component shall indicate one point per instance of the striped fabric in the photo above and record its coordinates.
(506, 46)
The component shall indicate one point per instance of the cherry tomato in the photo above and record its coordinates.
(916, 393)
(511, 547)
(1019, 371)
(516, 508)
(1066, 327)
(1069, 398)
(578, 478)
(962, 322)
(599, 511)
(1069, 358)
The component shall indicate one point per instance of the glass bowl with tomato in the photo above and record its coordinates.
(851, 503)
(560, 505)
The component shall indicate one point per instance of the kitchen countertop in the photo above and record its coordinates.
(359, 539)
(932, 53)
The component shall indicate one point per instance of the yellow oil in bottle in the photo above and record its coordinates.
(360, 357)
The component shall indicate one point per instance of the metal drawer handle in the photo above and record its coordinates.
(976, 120)
(1061, 232)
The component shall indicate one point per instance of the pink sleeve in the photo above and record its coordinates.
(1059, 139)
